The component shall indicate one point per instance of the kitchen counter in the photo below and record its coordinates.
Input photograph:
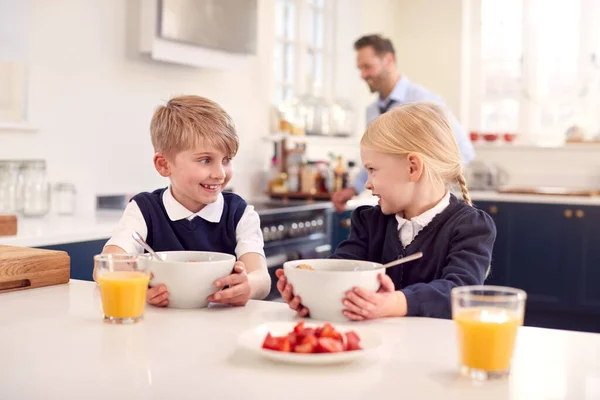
(54, 345)
(482, 195)
(53, 230)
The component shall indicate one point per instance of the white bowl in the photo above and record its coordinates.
(322, 290)
(190, 275)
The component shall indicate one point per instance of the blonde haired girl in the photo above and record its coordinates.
(412, 160)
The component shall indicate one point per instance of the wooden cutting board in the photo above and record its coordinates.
(26, 268)
(8, 224)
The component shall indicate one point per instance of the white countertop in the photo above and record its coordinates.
(54, 345)
(54, 229)
(477, 195)
(483, 195)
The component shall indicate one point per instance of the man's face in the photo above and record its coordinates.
(374, 69)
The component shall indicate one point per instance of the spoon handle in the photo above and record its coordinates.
(403, 260)
(138, 238)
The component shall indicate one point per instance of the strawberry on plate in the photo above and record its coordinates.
(306, 340)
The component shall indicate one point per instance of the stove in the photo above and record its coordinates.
(293, 230)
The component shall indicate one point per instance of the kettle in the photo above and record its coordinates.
(481, 175)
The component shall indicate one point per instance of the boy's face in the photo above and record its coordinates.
(389, 178)
(198, 175)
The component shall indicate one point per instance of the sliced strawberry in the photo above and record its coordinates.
(284, 344)
(304, 333)
(277, 343)
(329, 345)
(270, 342)
(307, 345)
(352, 341)
(299, 327)
(293, 338)
(329, 331)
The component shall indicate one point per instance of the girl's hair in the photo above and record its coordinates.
(420, 128)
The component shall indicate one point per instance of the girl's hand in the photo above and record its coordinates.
(158, 296)
(238, 292)
(287, 293)
(363, 304)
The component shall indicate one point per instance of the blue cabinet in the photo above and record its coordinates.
(552, 252)
(498, 274)
(340, 229)
(82, 256)
(587, 255)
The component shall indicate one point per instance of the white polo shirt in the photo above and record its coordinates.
(248, 235)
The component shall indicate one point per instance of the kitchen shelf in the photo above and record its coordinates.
(315, 139)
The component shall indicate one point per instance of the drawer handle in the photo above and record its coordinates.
(568, 213)
(579, 214)
(493, 210)
(345, 223)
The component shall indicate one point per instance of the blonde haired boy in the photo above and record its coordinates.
(195, 141)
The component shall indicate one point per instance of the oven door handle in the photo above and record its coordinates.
(325, 248)
(276, 260)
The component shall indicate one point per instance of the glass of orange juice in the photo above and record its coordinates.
(487, 319)
(123, 281)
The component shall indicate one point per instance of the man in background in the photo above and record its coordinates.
(376, 60)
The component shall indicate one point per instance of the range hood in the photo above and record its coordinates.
(218, 34)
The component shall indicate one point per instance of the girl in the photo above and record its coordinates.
(412, 159)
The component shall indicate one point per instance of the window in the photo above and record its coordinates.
(303, 49)
(538, 67)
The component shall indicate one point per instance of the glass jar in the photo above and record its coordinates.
(9, 186)
(36, 190)
(343, 119)
(314, 111)
(65, 198)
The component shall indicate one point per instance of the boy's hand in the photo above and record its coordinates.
(238, 292)
(363, 304)
(158, 296)
(287, 293)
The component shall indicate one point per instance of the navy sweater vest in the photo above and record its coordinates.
(197, 234)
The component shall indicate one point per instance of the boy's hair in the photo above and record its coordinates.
(186, 121)
(381, 45)
(421, 128)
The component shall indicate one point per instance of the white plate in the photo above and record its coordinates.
(253, 339)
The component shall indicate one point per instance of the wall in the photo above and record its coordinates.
(92, 96)
(428, 42)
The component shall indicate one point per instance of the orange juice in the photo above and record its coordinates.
(486, 338)
(123, 293)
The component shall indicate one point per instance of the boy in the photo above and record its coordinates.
(195, 141)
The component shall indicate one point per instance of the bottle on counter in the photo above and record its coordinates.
(339, 173)
(307, 178)
(352, 173)
(294, 178)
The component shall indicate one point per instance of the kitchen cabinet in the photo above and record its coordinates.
(340, 229)
(551, 251)
(82, 256)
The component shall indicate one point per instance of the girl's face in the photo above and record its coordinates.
(392, 178)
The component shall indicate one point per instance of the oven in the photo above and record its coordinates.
(293, 231)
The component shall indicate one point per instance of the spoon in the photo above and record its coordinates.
(403, 260)
(138, 238)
